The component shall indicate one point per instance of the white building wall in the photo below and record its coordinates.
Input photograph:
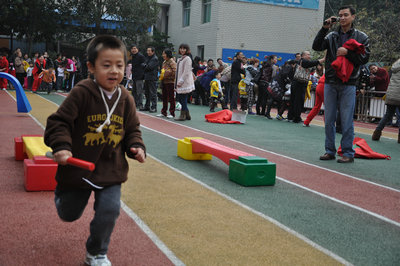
(196, 33)
(245, 26)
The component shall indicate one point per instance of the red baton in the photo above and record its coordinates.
(81, 163)
(75, 162)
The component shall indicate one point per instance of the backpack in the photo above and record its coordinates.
(275, 90)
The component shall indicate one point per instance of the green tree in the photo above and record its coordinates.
(379, 20)
(131, 18)
(160, 42)
(33, 20)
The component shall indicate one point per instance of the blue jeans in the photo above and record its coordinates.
(227, 93)
(343, 96)
(390, 111)
(182, 99)
(71, 203)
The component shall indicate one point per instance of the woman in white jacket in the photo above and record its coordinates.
(184, 81)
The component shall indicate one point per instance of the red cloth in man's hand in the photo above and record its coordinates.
(342, 65)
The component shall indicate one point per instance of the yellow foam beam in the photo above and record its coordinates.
(185, 151)
(34, 146)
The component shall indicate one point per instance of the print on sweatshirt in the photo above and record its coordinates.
(114, 135)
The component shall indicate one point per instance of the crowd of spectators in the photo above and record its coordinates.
(60, 73)
(256, 86)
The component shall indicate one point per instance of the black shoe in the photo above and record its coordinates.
(268, 116)
(144, 109)
(153, 111)
(327, 157)
(345, 159)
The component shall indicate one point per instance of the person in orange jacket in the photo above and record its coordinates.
(48, 77)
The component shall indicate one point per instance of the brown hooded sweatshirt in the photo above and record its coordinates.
(73, 127)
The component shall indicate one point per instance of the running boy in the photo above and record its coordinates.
(48, 77)
(97, 122)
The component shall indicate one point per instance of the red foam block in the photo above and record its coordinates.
(39, 176)
(19, 149)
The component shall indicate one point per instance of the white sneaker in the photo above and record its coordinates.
(160, 115)
(170, 116)
(97, 260)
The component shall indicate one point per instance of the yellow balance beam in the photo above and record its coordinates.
(34, 146)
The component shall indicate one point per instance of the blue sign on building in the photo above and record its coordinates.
(309, 4)
(228, 54)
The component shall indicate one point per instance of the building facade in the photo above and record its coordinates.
(219, 28)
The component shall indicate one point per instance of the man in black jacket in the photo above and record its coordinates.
(236, 70)
(137, 76)
(337, 93)
(150, 80)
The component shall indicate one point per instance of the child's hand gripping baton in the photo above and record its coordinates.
(75, 162)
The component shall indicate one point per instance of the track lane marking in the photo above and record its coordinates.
(378, 216)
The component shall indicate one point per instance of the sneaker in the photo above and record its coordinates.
(160, 115)
(251, 113)
(97, 260)
(306, 125)
(278, 117)
(345, 159)
(170, 116)
(327, 157)
(268, 116)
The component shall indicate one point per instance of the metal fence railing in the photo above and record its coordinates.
(368, 105)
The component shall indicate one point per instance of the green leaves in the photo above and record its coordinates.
(380, 21)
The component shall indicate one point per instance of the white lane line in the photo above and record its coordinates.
(157, 241)
(170, 255)
(383, 218)
(274, 153)
(270, 219)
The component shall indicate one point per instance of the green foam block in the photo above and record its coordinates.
(252, 171)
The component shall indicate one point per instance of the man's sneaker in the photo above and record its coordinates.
(170, 116)
(327, 157)
(97, 260)
(278, 117)
(306, 125)
(161, 115)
